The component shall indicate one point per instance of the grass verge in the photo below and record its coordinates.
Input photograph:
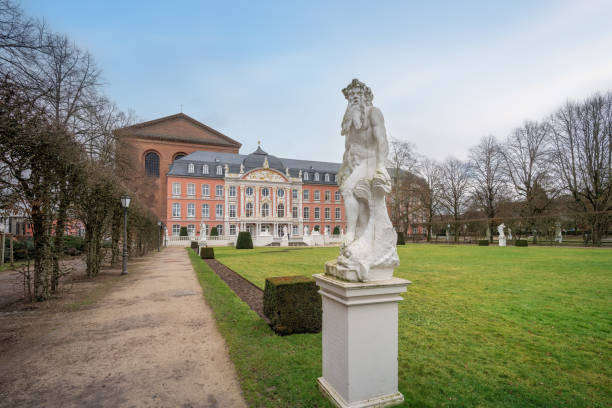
(273, 371)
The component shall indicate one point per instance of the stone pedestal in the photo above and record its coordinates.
(502, 241)
(360, 341)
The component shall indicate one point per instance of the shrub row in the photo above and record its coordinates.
(244, 240)
(483, 242)
(207, 253)
(521, 243)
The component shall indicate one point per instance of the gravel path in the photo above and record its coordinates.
(248, 292)
(151, 342)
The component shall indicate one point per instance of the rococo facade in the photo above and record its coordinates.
(259, 193)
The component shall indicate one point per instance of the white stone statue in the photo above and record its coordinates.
(202, 232)
(502, 236)
(510, 233)
(285, 231)
(241, 168)
(558, 233)
(305, 230)
(369, 249)
(448, 232)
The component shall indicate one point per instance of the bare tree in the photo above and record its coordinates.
(455, 179)
(402, 162)
(430, 192)
(582, 134)
(488, 181)
(527, 161)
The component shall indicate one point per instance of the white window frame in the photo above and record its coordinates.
(176, 189)
(306, 194)
(327, 213)
(280, 192)
(176, 229)
(306, 175)
(265, 210)
(191, 229)
(317, 213)
(190, 210)
(190, 189)
(205, 169)
(232, 230)
(232, 191)
(190, 168)
(176, 210)
(317, 195)
(265, 192)
(219, 190)
(294, 212)
(294, 194)
(316, 177)
(219, 211)
(232, 210)
(327, 195)
(338, 213)
(220, 229)
(337, 195)
(280, 208)
(294, 230)
(249, 209)
(219, 171)
(249, 191)
(205, 211)
(326, 177)
(205, 190)
(306, 213)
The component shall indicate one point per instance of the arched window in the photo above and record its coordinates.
(190, 168)
(205, 169)
(306, 176)
(152, 164)
(219, 170)
(249, 191)
(265, 210)
(249, 209)
(327, 177)
(280, 192)
(179, 156)
(280, 210)
(265, 192)
(316, 178)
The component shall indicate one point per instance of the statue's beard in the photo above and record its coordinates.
(354, 117)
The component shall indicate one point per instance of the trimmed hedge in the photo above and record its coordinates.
(293, 304)
(207, 253)
(214, 232)
(195, 245)
(244, 240)
(483, 242)
(183, 232)
(336, 230)
(400, 238)
(521, 243)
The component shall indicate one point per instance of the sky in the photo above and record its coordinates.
(444, 74)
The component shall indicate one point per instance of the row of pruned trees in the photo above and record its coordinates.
(557, 168)
(58, 156)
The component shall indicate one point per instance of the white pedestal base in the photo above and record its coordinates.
(502, 241)
(360, 341)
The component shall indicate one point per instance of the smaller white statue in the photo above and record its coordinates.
(305, 230)
(241, 168)
(558, 233)
(202, 232)
(502, 236)
(226, 168)
(448, 232)
(285, 231)
(510, 233)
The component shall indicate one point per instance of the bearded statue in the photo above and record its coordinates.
(369, 250)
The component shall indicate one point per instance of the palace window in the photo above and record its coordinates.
(219, 171)
(233, 229)
(326, 177)
(152, 164)
(190, 168)
(191, 210)
(249, 209)
(265, 192)
(317, 213)
(280, 210)
(327, 213)
(327, 229)
(306, 175)
(327, 196)
(191, 230)
(205, 230)
(205, 211)
(219, 190)
(220, 229)
(176, 229)
(335, 178)
(306, 195)
(338, 214)
(176, 189)
(317, 195)
(280, 192)
(294, 194)
(179, 156)
(294, 212)
(316, 177)
(306, 213)
(232, 191)
(205, 190)
(176, 210)
(249, 191)
(232, 210)
(219, 211)
(205, 169)
(265, 210)
(294, 230)
(337, 195)
(190, 189)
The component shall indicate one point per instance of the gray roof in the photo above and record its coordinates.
(250, 162)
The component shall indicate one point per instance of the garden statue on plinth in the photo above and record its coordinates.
(359, 293)
(285, 237)
(502, 236)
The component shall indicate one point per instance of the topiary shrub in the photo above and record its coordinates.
(400, 238)
(316, 228)
(293, 304)
(183, 232)
(521, 243)
(483, 242)
(244, 240)
(207, 253)
(336, 230)
(195, 245)
(214, 232)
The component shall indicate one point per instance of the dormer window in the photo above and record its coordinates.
(316, 178)
(326, 178)
(219, 171)
(190, 168)
(205, 169)
(306, 175)
(335, 178)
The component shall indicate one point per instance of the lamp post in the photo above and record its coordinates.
(159, 224)
(125, 203)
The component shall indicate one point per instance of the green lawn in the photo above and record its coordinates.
(479, 326)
